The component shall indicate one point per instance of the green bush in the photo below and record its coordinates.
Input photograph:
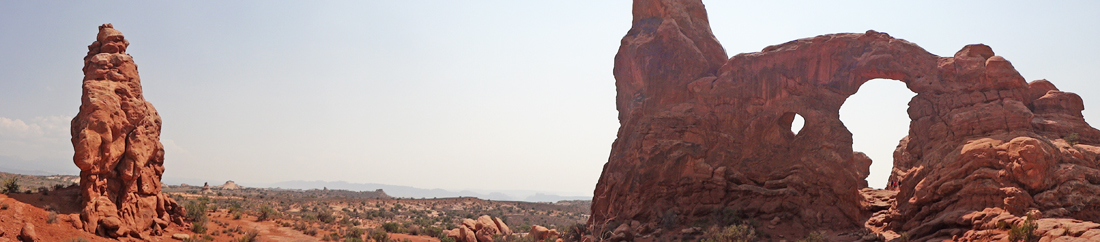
(266, 213)
(391, 227)
(196, 210)
(354, 232)
(1072, 139)
(1025, 231)
(11, 185)
(199, 227)
(379, 235)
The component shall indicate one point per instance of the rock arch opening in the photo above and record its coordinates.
(877, 117)
(792, 121)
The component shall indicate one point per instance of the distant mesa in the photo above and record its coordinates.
(116, 142)
(229, 185)
(703, 136)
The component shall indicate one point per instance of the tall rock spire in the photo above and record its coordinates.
(116, 139)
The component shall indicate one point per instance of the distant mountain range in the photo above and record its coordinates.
(412, 192)
(12, 165)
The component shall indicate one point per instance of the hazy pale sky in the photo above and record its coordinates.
(487, 95)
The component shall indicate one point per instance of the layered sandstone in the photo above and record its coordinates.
(116, 138)
(701, 135)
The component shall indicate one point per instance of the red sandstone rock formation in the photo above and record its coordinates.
(116, 138)
(701, 135)
(481, 230)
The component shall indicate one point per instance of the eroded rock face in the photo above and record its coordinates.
(116, 138)
(701, 135)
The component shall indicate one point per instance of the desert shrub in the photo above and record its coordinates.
(11, 185)
(1072, 139)
(412, 229)
(1025, 231)
(4, 206)
(196, 210)
(732, 233)
(196, 213)
(51, 217)
(354, 232)
(434, 231)
(199, 227)
(447, 239)
(574, 232)
(251, 236)
(326, 217)
(266, 213)
(391, 227)
(77, 239)
(379, 235)
(58, 186)
(815, 236)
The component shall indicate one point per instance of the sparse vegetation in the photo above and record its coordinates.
(732, 233)
(1025, 231)
(379, 235)
(337, 215)
(815, 236)
(266, 213)
(1072, 139)
(251, 236)
(11, 185)
(51, 217)
(196, 213)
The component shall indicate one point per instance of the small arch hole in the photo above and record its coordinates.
(792, 121)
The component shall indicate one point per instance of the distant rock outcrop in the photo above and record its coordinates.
(229, 185)
(116, 138)
(701, 134)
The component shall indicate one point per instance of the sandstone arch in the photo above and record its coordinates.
(700, 133)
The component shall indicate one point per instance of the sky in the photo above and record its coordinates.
(481, 95)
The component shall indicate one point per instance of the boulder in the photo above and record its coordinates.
(181, 236)
(469, 223)
(466, 234)
(27, 234)
(116, 139)
(539, 233)
(503, 227)
(486, 223)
